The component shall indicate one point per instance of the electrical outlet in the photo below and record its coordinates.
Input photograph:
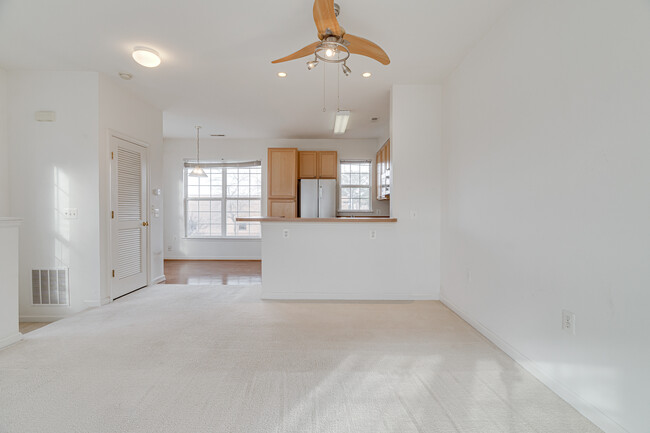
(373, 234)
(285, 233)
(569, 322)
(70, 213)
(169, 247)
(413, 214)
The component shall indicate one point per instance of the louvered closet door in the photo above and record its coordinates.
(129, 223)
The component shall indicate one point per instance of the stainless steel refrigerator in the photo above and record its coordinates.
(317, 198)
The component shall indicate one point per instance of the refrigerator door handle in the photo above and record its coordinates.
(320, 192)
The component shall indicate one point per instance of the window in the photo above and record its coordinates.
(355, 186)
(213, 203)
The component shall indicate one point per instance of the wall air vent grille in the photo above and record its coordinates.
(50, 286)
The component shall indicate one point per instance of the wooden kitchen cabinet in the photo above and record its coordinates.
(282, 173)
(283, 182)
(282, 208)
(308, 164)
(383, 171)
(327, 165)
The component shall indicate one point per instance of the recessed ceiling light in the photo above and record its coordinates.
(146, 57)
(282, 74)
(366, 75)
(125, 75)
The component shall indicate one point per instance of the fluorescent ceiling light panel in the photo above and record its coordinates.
(341, 122)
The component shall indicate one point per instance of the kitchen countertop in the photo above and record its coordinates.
(320, 220)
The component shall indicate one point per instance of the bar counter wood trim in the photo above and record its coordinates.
(319, 220)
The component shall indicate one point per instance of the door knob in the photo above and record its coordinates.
(145, 224)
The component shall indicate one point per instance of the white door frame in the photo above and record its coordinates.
(110, 134)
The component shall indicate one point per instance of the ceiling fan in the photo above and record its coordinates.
(334, 45)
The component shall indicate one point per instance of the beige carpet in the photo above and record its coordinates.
(174, 358)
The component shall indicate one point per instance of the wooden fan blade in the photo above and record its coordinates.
(366, 48)
(303, 52)
(325, 18)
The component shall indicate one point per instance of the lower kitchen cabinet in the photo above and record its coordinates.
(282, 208)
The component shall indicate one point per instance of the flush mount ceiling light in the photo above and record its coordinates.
(341, 122)
(282, 74)
(197, 171)
(146, 57)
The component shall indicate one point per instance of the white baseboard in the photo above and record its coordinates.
(158, 279)
(90, 304)
(107, 300)
(587, 409)
(42, 318)
(7, 341)
(213, 258)
(306, 296)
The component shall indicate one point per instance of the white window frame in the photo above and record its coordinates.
(188, 166)
(369, 186)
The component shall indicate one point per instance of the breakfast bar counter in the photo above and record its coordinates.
(320, 220)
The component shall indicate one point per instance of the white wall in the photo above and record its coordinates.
(4, 147)
(9, 234)
(339, 260)
(54, 166)
(122, 113)
(547, 198)
(177, 150)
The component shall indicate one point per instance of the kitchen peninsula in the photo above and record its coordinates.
(335, 256)
(331, 258)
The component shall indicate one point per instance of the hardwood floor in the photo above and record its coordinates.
(214, 272)
(26, 327)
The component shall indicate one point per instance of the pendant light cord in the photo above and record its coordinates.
(324, 109)
(338, 90)
(197, 145)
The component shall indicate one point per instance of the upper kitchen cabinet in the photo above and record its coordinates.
(308, 164)
(327, 165)
(282, 173)
(383, 170)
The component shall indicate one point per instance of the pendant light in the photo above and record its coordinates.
(197, 171)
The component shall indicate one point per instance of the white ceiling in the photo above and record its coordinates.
(217, 69)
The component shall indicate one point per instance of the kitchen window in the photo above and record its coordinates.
(213, 203)
(355, 186)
